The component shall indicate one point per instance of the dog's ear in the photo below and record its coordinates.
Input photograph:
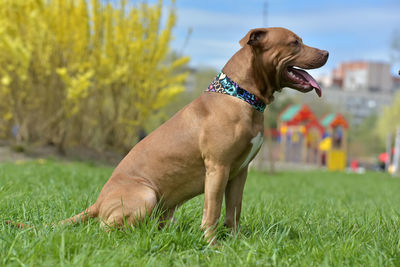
(253, 37)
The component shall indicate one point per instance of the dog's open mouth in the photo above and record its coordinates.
(299, 79)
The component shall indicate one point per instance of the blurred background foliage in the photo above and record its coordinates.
(389, 120)
(87, 73)
(101, 74)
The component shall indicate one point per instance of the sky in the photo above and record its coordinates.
(349, 30)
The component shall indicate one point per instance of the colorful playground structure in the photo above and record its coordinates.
(305, 139)
(336, 131)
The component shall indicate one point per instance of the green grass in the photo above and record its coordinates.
(288, 219)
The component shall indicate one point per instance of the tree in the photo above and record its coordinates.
(364, 140)
(84, 72)
(389, 119)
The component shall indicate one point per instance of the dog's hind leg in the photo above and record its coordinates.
(126, 203)
(166, 217)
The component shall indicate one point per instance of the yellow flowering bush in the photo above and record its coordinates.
(85, 71)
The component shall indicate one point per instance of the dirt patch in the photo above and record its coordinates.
(10, 153)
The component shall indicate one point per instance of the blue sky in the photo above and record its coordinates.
(349, 30)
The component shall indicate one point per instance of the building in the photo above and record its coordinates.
(364, 76)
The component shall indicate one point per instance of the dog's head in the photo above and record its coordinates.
(279, 55)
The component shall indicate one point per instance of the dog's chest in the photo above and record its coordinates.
(255, 145)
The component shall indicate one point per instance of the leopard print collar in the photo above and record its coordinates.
(224, 85)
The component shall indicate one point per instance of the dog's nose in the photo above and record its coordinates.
(325, 53)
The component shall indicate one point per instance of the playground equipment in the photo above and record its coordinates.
(300, 135)
(334, 144)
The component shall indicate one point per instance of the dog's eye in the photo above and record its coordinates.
(295, 43)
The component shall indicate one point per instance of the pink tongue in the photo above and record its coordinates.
(309, 79)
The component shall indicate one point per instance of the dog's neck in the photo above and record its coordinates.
(248, 72)
(225, 85)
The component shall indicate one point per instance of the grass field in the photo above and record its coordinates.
(288, 219)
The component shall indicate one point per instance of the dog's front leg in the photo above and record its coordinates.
(215, 183)
(233, 200)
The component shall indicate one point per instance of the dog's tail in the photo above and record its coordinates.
(90, 212)
(18, 225)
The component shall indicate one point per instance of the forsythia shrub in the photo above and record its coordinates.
(84, 71)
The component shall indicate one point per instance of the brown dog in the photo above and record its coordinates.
(207, 146)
